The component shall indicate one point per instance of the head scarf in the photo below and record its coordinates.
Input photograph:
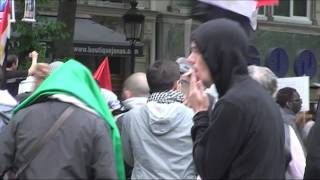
(224, 47)
(73, 79)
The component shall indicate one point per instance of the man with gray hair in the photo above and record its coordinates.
(265, 77)
(295, 158)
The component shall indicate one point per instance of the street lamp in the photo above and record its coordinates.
(133, 26)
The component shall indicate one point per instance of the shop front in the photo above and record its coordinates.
(93, 42)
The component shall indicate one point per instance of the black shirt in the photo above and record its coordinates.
(13, 78)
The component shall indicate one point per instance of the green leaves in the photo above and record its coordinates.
(26, 37)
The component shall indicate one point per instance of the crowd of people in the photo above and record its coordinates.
(207, 116)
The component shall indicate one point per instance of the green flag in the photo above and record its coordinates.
(73, 79)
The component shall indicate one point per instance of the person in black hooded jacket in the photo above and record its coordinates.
(242, 137)
(312, 170)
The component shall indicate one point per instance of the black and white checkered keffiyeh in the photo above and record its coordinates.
(166, 97)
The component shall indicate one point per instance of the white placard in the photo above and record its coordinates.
(26, 85)
(301, 84)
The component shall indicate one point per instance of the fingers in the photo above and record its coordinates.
(34, 55)
(197, 99)
(42, 70)
(200, 86)
(193, 81)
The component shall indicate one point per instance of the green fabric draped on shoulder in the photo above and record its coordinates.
(74, 79)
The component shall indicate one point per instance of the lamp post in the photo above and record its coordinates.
(133, 27)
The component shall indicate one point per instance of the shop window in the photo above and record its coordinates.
(115, 64)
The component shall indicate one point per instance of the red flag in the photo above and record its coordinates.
(103, 75)
(267, 2)
(4, 29)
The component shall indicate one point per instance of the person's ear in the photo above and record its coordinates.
(289, 105)
(126, 94)
(14, 64)
(176, 85)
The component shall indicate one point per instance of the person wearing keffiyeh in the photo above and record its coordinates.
(156, 137)
(87, 146)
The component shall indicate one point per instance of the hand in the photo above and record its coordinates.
(197, 99)
(42, 70)
(34, 55)
(302, 118)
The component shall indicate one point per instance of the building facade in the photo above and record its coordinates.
(283, 33)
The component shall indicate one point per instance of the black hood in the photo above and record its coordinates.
(224, 47)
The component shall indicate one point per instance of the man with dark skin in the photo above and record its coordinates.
(290, 102)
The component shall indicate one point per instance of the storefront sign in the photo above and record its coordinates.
(105, 50)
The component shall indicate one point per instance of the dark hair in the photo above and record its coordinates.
(162, 75)
(284, 95)
(11, 59)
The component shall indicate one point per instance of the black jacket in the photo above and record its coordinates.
(313, 147)
(243, 136)
(13, 78)
(81, 148)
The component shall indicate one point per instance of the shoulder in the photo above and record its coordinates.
(135, 111)
(135, 114)
(229, 100)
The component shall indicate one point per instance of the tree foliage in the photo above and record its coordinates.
(63, 47)
(27, 37)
